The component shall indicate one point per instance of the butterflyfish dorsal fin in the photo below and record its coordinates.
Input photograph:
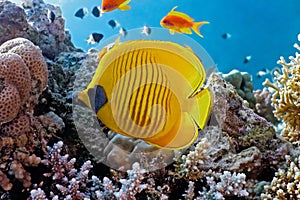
(107, 48)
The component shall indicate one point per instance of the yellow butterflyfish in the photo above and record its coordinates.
(150, 90)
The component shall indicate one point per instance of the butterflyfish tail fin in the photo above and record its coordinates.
(200, 111)
(183, 134)
(196, 27)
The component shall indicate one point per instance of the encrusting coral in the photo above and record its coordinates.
(286, 99)
(243, 85)
(263, 105)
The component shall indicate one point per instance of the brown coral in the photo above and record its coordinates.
(9, 102)
(33, 58)
(23, 70)
(14, 71)
(17, 126)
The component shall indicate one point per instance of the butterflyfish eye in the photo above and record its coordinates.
(104, 8)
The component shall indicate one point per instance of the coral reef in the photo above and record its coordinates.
(243, 85)
(32, 23)
(285, 184)
(23, 74)
(33, 59)
(13, 22)
(263, 106)
(53, 148)
(286, 97)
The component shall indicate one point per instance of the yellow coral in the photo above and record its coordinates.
(286, 99)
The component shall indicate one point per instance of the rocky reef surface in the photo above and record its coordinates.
(52, 149)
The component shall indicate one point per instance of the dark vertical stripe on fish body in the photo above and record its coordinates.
(148, 101)
(154, 99)
(152, 94)
(137, 100)
(128, 82)
(134, 97)
(130, 94)
(142, 118)
(119, 95)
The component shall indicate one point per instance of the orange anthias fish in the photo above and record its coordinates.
(110, 5)
(150, 90)
(181, 23)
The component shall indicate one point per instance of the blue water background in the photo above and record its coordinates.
(263, 29)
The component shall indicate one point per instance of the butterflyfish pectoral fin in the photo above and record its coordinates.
(97, 97)
(200, 109)
(183, 134)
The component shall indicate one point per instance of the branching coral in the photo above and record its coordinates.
(224, 185)
(286, 183)
(286, 99)
(70, 183)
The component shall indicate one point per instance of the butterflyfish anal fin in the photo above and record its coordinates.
(183, 134)
(200, 110)
(97, 97)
